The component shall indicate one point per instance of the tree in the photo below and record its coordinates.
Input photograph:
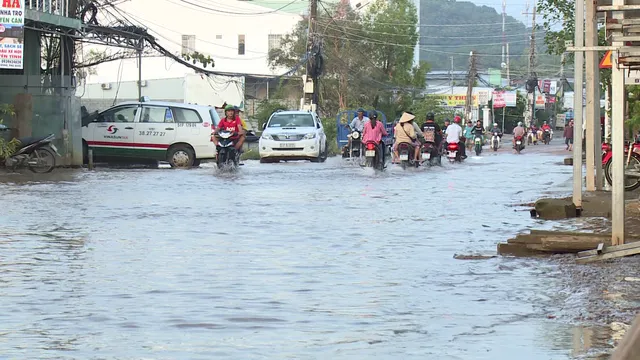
(363, 64)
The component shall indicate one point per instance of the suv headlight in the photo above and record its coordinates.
(267, 137)
(310, 136)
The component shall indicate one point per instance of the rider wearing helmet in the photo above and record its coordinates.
(431, 130)
(374, 131)
(232, 124)
(454, 132)
(496, 129)
(237, 111)
(518, 131)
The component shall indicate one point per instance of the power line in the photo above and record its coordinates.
(233, 12)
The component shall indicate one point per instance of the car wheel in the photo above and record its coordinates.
(267, 161)
(325, 154)
(196, 163)
(181, 156)
(85, 152)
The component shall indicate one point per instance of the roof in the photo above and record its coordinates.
(167, 103)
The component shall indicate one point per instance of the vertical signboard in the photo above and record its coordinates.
(11, 34)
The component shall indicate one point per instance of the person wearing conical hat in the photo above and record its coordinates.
(406, 133)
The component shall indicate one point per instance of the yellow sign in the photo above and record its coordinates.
(455, 100)
(606, 63)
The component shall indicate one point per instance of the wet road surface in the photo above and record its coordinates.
(281, 261)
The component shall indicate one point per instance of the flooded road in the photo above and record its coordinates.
(281, 261)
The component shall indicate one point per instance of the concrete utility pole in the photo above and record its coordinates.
(593, 143)
(577, 105)
(451, 75)
(508, 71)
(473, 71)
(617, 133)
(310, 79)
(530, 113)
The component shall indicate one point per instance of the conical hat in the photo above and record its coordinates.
(406, 117)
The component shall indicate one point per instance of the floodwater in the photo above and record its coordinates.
(280, 261)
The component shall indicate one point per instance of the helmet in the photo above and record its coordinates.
(457, 119)
(360, 110)
(430, 116)
(519, 123)
(229, 107)
(495, 124)
(447, 119)
(373, 114)
(236, 109)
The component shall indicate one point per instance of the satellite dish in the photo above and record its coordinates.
(503, 65)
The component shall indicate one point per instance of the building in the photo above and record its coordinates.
(237, 35)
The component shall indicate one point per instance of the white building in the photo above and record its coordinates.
(236, 34)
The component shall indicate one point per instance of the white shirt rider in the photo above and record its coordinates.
(358, 124)
(454, 131)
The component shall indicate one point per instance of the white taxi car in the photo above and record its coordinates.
(293, 135)
(152, 130)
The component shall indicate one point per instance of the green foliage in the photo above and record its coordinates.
(368, 60)
(250, 155)
(331, 130)
(7, 148)
(197, 57)
(265, 109)
(429, 104)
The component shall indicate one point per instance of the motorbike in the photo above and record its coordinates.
(495, 141)
(546, 137)
(227, 155)
(631, 166)
(453, 153)
(430, 154)
(519, 145)
(373, 156)
(36, 153)
(356, 144)
(406, 151)
(477, 140)
(532, 138)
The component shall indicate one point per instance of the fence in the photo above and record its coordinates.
(56, 7)
(45, 107)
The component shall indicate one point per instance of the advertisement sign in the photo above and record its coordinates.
(454, 100)
(11, 34)
(540, 101)
(504, 99)
(483, 97)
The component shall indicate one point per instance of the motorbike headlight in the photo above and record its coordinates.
(355, 135)
(267, 137)
(310, 136)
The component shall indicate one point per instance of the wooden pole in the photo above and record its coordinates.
(617, 139)
(577, 105)
(629, 347)
(594, 167)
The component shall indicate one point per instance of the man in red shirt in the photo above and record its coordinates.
(231, 124)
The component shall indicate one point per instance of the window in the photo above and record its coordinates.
(274, 41)
(218, 37)
(183, 115)
(291, 120)
(240, 44)
(156, 114)
(122, 114)
(188, 44)
(214, 116)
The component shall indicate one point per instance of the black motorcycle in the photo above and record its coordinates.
(546, 136)
(227, 155)
(373, 156)
(430, 154)
(36, 153)
(406, 155)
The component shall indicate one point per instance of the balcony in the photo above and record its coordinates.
(51, 12)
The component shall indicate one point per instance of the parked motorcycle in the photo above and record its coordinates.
(227, 156)
(430, 154)
(631, 165)
(373, 156)
(405, 152)
(477, 140)
(495, 141)
(519, 145)
(546, 137)
(453, 153)
(36, 153)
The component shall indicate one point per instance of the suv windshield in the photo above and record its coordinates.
(291, 120)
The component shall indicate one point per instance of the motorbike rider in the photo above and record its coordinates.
(447, 122)
(496, 129)
(237, 111)
(454, 132)
(546, 127)
(478, 131)
(518, 131)
(406, 133)
(374, 131)
(468, 134)
(357, 123)
(431, 130)
(230, 123)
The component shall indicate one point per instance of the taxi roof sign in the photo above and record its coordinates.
(606, 63)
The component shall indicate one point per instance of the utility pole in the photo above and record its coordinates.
(451, 75)
(140, 48)
(532, 82)
(472, 78)
(313, 68)
(593, 149)
(508, 69)
(578, 106)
